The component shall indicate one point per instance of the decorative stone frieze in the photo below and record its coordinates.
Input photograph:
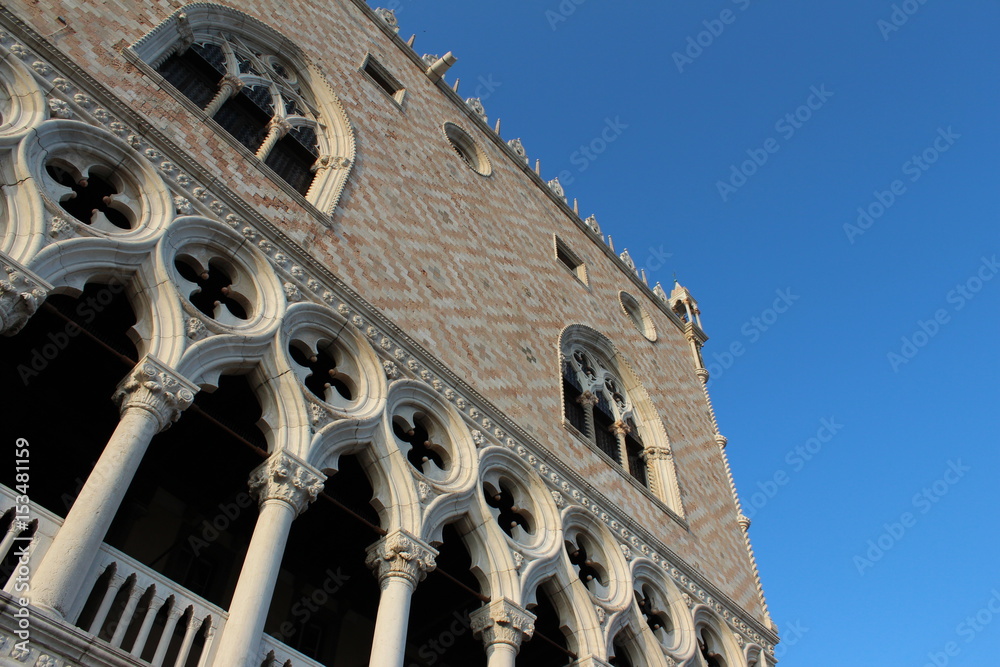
(159, 390)
(286, 477)
(400, 554)
(502, 622)
(21, 293)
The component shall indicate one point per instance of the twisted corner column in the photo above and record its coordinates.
(284, 486)
(502, 626)
(400, 561)
(150, 399)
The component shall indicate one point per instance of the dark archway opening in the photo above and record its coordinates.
(326, 599)
(548, 646)
(440, 631)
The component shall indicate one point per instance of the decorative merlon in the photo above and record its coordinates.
(476, 106)
(502, 622)
(156, 388)
(389, 17)
(21, 292)
(400, 554)
(286, 477)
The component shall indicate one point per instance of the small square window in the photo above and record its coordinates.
(381, 77)
(569, 259)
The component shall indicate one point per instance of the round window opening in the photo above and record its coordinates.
(640, 318)
(467, 149)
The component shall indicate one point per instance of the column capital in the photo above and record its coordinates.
(330, 162)
(286, 477)
(233, 82)
(587, 399)
(620, 428)
(654, 453)
(400, 554)
(502, 622)
(21, 292)
(156, 388)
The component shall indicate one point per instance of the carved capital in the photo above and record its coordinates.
(744, 522)
(620, 428)
(657, 454)
(286, 477)
(330, 162)
(721, 441)
(159, 390)
(233, 83)
(400, 554)
(279, 126)
(587, 399)
(502, 622)
(21, 292)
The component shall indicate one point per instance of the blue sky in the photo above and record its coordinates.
(834, 441)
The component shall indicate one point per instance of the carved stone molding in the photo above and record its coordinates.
(21, 292)
(286, 477)
(400, 554)
(657, 454)
(159, 390)
(502, 622)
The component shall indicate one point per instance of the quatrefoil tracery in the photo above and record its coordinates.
(659, 622)
(91, 196)
(591, 572)
(512, 518)
(326, 378)
(424, 454)
(214, 289)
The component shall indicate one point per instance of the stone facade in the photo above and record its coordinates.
(442, 284)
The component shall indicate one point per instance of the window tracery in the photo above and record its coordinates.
(256, 97)
(598, 406)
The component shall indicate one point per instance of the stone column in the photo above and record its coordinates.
(21, 292)
(659, 468)
(502, 625)
(284, 485)
(229, 86)
(150, 399)
(276, 129)
(588, 400)
(400, 561)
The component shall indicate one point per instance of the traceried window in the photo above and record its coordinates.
(598, 407)
(256, 97)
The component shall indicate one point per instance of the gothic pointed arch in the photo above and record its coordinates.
(262, 90)
(606, 405)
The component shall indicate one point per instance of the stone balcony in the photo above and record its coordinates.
(126, 613)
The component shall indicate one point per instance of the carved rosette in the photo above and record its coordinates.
(21, 292)
(286, 477)
(400, 554)
(159, 390)
(502, 622)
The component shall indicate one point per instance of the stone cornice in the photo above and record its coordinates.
(319, 284)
